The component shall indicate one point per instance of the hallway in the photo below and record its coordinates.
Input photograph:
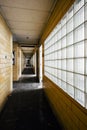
(43, 64)
(28, 76)
(28, 109)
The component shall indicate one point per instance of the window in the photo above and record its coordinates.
(65, 52)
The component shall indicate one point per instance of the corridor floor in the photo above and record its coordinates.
(28, 70)
(28, 109)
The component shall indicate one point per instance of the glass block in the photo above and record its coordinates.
(50, 49)
(55, 55)
(78, 4)
(80, 97)
(85, 30)
(70, 90)
(55, 63)
(63, 64)
(56, 29)
(63, 42)
(69, 25)
(58, 26)
(69, 52)
(59, 82)
(79, 17)
(86, 12)
(59, 45)
(69, 78)
(63, 85)
(86, 48)
(63, 21)
(63, 53)
(52, 71)
(59, 64)
(52, 56)
(52, 63)
(59, 35)
(49, 56)
(70, 39)
(63, 31)
(86, 65)
(70, 13)
(56, 46)
(69, 64)
(55, 72)
(79, 65)
(85, 1)
(59, 74)
(79, 34)
(56, 38)
(86, 83)
(59, 54)
(79, 81)
(52, 40)
(79, 49)
(63, 75)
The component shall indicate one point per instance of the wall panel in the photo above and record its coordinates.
(5, 61)
(19, 62)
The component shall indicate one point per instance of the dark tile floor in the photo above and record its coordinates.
(28, 80)
(28, 109)
(28, 70)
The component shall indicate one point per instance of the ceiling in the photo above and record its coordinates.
(28, 51)
(26, 18)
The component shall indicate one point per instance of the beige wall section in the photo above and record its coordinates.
(22, 61)
(16, 64)
(5, 61)
(19, 62)
(72, 115)
(33, 62)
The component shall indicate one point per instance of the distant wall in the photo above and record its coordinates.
(5, 61)
(33, 62)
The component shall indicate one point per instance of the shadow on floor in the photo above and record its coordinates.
(28, 71)
(28, 110)
(28, 80)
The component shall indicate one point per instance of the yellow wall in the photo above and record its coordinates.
(72, 114)
(5, 61)
(22, 61)
(19, 62)
(16, 64)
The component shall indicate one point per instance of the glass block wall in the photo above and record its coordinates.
(65, 52)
